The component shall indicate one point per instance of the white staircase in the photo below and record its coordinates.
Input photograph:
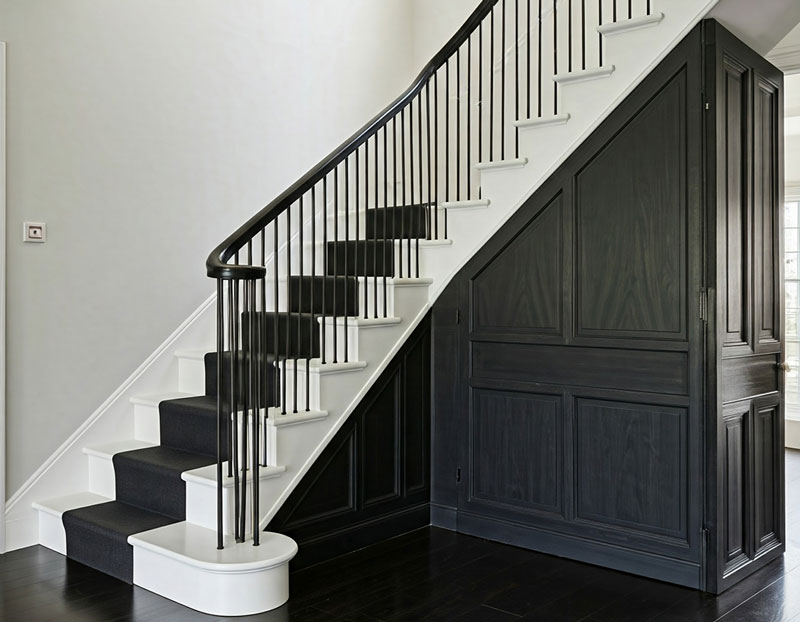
(181, 561)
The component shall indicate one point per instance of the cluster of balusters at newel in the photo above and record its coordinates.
(295, 278)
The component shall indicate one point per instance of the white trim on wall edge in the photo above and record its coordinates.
(792, 191)
(21, 533)
(786, 58)
(2, 296)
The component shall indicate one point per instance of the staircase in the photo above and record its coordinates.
(319, 290)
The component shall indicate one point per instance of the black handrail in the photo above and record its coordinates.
(216, 264)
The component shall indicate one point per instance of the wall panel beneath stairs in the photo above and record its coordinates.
(567, 362)
(372, 482)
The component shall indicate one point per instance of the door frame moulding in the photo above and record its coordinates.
(792, 426)
(2, 295)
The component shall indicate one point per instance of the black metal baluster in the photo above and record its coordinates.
(256, 420)
(346, 272)
(263, 350)
(288, 303)
(385, 242)
(243, 458)
(528, 46)
(436, 149)
(428, 228)
(555, 56)
(516, 77)
(374, 226)
(539, 88)
(503, 87)
(614, 11)
(357, 196)
(394, 192)
(220, 406)
(649, 7)
(569, 36)
(403, 175)
(334, 332)
(301, 225)
(385, 207)
(583, 34)
(411, 172)
(234, 433)
(280, 379)
(600, 22)
(447, 133)
(480, 95)
(250, 388)
(630, 9)
(312, 295)
(324, 304)
(469, 118)
(458, 124)
(415, 213)
(491, 88)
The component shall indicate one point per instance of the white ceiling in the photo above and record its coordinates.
(762, 24)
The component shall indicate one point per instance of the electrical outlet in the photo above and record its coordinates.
(34, 232)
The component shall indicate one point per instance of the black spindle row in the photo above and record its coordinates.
(301, 275)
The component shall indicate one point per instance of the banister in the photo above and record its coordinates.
(216, 264)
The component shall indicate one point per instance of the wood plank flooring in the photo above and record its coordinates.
(427, 575)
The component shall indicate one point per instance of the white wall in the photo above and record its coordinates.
(435, 22)
(143, 132)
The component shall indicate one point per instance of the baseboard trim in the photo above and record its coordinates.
(338, 542)
(676, 571)
(444, 516)
(120, 396)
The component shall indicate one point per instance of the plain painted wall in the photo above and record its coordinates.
(143, 132)
(435, 22)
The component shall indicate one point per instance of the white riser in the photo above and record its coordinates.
(201, 496)
(191, 373)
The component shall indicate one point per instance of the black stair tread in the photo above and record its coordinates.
(161, 458)
(97, 535)
(151, 478)
(116, 519)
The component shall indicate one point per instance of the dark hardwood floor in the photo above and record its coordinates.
(427, 575)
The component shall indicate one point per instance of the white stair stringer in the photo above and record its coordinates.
(181, 561)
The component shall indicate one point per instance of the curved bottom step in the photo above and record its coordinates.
(181, 562)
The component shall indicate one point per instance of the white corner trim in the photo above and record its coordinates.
(792, 191)
(786, 58)
(2, 296)
(164, 353)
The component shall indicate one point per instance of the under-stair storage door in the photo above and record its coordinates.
(745, 511)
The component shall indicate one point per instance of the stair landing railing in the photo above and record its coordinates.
(324, 253)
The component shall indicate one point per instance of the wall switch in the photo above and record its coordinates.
(34, 232)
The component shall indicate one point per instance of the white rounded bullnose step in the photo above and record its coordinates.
(181, 562)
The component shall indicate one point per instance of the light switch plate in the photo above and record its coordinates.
(34, 232)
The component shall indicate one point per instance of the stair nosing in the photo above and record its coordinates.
(540, 122)
(584, 75)
(502, 164)
(630, 25)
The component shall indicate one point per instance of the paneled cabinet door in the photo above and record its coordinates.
(746, 511)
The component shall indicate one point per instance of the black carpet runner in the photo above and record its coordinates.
(149, 490)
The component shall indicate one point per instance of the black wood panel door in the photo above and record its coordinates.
(568, 402)
(745, 338)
